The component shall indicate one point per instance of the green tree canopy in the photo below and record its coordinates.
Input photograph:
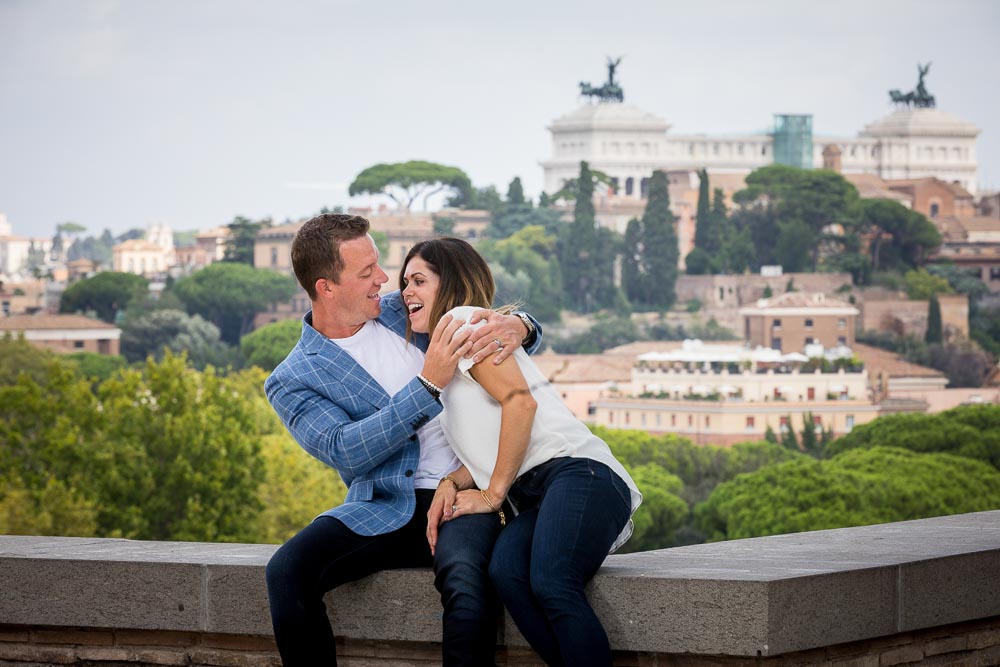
(921, 284)
(794, 208)
(570, 190)
(962, 280)
(296, 487)
(95, 366)
(662, 512)
(185, 462)
(242, 236)
(606, 332)
(512, 219)
(857, 488)
(698, 263)
(151, 334)
(49, 430)
(971, 431)
(700, 467)
(229, 295)
(159, 452)
(531, 253)
(96, 249)
(268, 346)
(482, 199)
(18, 356)
(517, 212)
(901, 238)
(106, 294)
(406, 181)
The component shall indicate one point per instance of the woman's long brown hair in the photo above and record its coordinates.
(465, 277)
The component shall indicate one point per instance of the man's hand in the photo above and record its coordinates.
(500, 336)
(440, 511)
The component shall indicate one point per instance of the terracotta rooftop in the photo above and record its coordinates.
(39, 322)
(877, 361)
(585, 367)
(799, 300)
(978, 223)
(870, 186)
(957, 190)
(214, 232)
(633, 350)
(727, 182)
(281, 231)
(138, 245)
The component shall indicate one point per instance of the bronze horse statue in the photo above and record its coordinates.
(610, 91)
(918, 98)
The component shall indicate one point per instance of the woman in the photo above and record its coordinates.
(519, 442)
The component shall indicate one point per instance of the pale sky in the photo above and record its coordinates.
(119, 113)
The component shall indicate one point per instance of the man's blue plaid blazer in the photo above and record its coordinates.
(339, 414)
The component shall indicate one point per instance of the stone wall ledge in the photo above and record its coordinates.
(743, 598)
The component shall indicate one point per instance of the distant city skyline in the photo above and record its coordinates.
(119, 114)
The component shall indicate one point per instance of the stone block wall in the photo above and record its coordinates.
(971, 643)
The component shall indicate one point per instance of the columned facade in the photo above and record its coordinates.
(628, 144)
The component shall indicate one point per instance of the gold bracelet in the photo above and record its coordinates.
(449, 478)
(486, 497)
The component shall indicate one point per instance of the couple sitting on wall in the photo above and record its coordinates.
(456, 452)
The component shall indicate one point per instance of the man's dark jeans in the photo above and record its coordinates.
(326, 554)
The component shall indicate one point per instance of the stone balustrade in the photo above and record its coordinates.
(924, 591)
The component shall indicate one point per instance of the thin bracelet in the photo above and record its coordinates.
(449, 478)
(430, 386)
(486, 497)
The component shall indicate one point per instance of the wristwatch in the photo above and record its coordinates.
(527, 325)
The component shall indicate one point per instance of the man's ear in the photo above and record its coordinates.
(322, 287)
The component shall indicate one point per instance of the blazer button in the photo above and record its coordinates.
(409, 473)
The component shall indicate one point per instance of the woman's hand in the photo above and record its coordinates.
(446, 349)
(508, 329)
(471, 502)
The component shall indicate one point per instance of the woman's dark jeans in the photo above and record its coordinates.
(571, 512)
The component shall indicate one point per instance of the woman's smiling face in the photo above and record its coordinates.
(421, 289)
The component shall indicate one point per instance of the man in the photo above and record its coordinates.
(361, 399)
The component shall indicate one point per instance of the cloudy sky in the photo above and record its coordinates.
(119, 113)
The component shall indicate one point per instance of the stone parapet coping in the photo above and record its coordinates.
(755, 597)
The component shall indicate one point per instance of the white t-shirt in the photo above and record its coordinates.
(393, 363)
(471, 422)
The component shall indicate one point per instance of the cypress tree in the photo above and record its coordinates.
(788, 437)
(515, 193)
(578, 246)
(935, 328)
(809, 443)
(632, 270)
(703, 231)
(660, 252)
(720, 226)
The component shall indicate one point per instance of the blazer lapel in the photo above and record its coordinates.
(343, 367)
